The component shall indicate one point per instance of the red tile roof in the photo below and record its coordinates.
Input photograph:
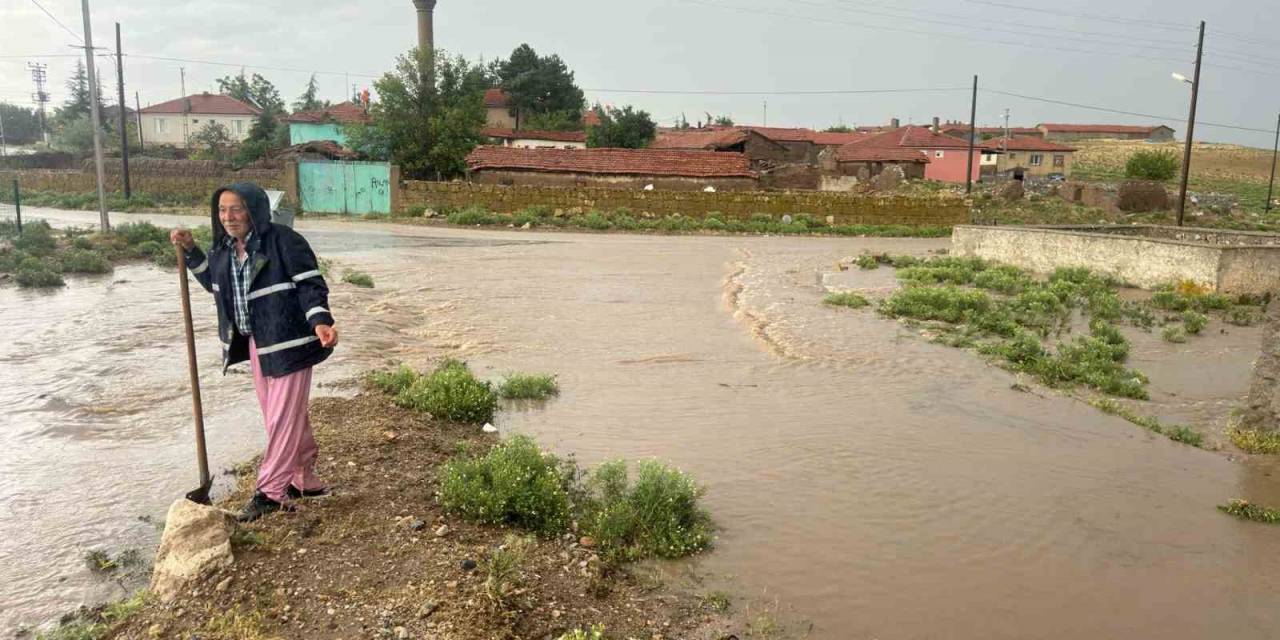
(835, 139)
(1013, 131)
(699, 139)
(911, 138)
(591, 118)
(495, 98)
(784, 134)
(1099, 128)
(856, 153)
(526, 134)
(1024, 143)
(649, 162)
(345, 113)
(205, 104)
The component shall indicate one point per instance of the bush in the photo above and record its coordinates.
(1173, 333)
(472, 216)
(1004, 279)
(36, 239)
(1194, 322)
(359, 279)
(1242, 316)
(83, 261)
(529, 386)
(513, 483)
(450, 392)
(1152, 165)
(135, 233)
(658, 515)
(846, 299)
(949, 304)
(393, 382)
(867, 261)
(1245, 510)
(38, 277)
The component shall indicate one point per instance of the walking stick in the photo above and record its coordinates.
(200, 494)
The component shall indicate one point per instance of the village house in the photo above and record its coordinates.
(527, 139)
(961, 130)
(664, 169)
(865, 163)
(759, 149)
(329, 123)
(499, 114)
(175, 121)
(948, 156)
(1070, 132)
(1026, 156)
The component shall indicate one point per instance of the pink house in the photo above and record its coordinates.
(948, 156)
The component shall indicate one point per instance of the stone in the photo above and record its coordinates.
(196, 542)
(401, 633)
(587, 541)
(488, 428)
(429, 607)
(417, 525)
(442, 530)
(222, 586)
(468, 564)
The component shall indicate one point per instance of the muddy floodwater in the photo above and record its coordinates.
(872, 484)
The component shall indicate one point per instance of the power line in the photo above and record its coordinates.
(1121, 111)
(1138, 22)
(251, 66)
(55, 19)
(770, 92)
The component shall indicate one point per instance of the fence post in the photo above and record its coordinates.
(17, 205)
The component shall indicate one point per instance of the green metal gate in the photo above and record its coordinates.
(345, 187)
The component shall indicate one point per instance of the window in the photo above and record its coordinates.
(937, 154)
(1059, 160)
(1037, 159)
(239, 126)
(195, 122)
(1013, 155)
(162, 125)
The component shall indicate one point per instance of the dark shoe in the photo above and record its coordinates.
(295, 494)
(260, 505)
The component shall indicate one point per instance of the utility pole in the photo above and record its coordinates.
(3, 151)
(96, 114)
(185, 133)
(137, 112)
(38, 75)
(973, 131)
(766, 114)
(1004, 145)
(1191, 127)
(1271, 183)
(124, 118)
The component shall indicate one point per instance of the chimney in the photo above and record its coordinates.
(426, 27)
(894, 123)
(935, 124)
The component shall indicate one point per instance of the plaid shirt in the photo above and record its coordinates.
(240, 285)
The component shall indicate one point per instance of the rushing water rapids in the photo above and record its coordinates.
(879, 485)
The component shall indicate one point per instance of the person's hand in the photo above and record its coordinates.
(182, 238)
(327, 334)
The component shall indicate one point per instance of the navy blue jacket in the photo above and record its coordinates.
(288, 297)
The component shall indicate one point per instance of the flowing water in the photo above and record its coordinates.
(878, 485)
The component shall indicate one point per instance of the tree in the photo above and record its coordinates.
(211, 142)
(307, 101)
(21, 125)
(1152, 165)
(78, 98)
(257, 91)
(540, 86)
(554, 121)
(839, 128)
(724, 121)
(74, 135)
(623, 127)
(427, 130)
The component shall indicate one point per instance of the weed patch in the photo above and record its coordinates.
(1255, 441)
(1194, 322)
(529, 386)
(846, 299)
(1177, 433)
(1246, 510)
(359, 279)
(657, 515)
(513, 483)
(450, 392)
(948, 304)
(1175, 334)
(504, 570)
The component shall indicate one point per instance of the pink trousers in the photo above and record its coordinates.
(291, 449)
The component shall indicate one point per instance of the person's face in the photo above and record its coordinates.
(234, 215)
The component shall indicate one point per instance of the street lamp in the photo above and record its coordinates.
(1181, 78)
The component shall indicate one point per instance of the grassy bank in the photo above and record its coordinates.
(88, 201)
(40, 256)
(436, 529)
(713, 222)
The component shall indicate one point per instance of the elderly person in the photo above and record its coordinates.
(273, 311)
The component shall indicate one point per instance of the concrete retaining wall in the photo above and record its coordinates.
(1144, 256)
(837, 208)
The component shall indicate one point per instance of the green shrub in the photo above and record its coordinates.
(1245, 510)
(867, 262)
(472, 216)
(513, 483)
(904, 261)
(1152, 165)
(135, 233)
(949, 304)
(76, 260)
(451, 392)
(846, 299)
(11, 259)
(1255, 441)
(37, 238)
(529, 386)
(504, 569)
(594, 220)
(359, 279)
(38, 278)
(1004, 279)
(1194, 322)
(395, 381)
(1174, 333)
(1243, 316)
(658, 515)
(1185, 435)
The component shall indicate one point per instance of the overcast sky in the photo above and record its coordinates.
(1116, 54)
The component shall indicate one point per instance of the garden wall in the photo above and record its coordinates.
(184, 179)
(836, 208)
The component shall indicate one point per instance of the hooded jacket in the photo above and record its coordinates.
(287, 298)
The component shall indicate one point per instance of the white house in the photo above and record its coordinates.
(175, 121)
(526, 139)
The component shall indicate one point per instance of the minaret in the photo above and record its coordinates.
(427, 37)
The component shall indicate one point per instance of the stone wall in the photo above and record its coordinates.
(837, 208)
(191, 179)
(573, 180)
(1143, 256)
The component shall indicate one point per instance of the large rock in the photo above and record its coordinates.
(196, 542)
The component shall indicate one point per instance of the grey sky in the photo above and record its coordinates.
(720, 45)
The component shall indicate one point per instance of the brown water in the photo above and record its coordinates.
(878, 485)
